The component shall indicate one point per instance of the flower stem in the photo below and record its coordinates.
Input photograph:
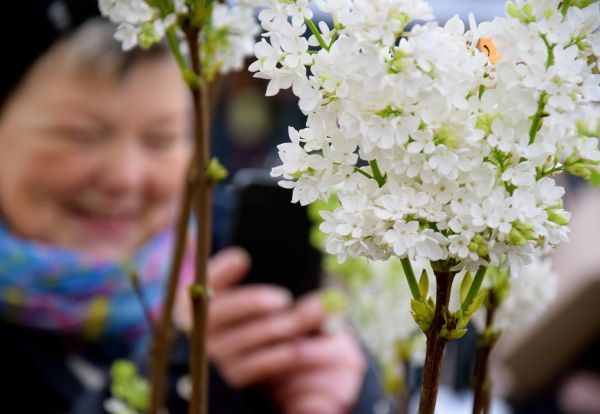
(474, 289)
(363, 172)
(435, 344)
(536, 121)
(482, 385)
(410, 278)
(381, 179)
(317, 34)
(174, 46)
(202, 212)
(163, 333)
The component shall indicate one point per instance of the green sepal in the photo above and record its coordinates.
(423, 285)
(454, 333)
(422, 313)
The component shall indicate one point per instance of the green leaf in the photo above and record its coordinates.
(595, 178)
(422, 314)
(456, 333)
(424, 285)
(465, 285)
(476, 304)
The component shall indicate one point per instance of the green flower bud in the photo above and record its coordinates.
(396, 64)
(402, 18)
(122, 370)
(215, 171)
(516, 238)
(478, 245)
(513, 11)
(528, 11)
(444, 136)
(484, 122)
(392, 382)
(334, 302)
(526, 230)
(548, 12)
(147, 38)
(389, 112)
(580, 170)
(556, 217)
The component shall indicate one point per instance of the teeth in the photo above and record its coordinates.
(113, 214)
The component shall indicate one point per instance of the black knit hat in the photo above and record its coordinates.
(29, 28)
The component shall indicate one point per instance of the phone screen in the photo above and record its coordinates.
(275, 233)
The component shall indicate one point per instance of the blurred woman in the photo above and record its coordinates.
(93, 149)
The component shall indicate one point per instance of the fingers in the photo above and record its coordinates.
(330, 349)
(227, 268)
(340, 384)
(252, 335)
(248, 350)
(244, 303)
(310, 313)
(326, 378)
(272, 327)
(224, 269)
(313, 404)
(259, 365)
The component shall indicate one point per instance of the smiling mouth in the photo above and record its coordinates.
(114, 223)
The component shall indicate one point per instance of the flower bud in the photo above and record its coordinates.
(513, 11)
(516, 238)
(556, 217)
(484, 122)
(580, 170)
(147, 37)
(215, 171)
(526, 230)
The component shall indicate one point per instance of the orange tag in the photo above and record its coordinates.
(487, 46)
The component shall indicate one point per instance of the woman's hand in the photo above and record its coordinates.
(327, 377)
(258, 336)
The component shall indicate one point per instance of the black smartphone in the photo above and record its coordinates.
(275, 233)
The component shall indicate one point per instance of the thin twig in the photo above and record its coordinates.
(202, 211)
(139, 293)
(163, 333)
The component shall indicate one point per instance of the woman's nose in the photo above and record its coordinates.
(123, 170)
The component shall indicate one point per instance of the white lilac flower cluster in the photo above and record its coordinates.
(384, 325)
(232, 30)
(524, 298)
(441, 144)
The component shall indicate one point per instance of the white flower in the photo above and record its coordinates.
(531, 291)
(403, 237)
(445, 147)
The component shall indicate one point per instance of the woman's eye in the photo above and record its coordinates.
(161, 141)
(83, 136)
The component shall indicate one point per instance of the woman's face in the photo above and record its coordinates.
(92, 162)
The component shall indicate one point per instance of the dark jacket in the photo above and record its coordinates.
(37, 379)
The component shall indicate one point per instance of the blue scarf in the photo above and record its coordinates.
(55, 289)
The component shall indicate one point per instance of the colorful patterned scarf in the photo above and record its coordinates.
(55, 289)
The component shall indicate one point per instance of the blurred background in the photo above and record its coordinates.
(552, 367)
